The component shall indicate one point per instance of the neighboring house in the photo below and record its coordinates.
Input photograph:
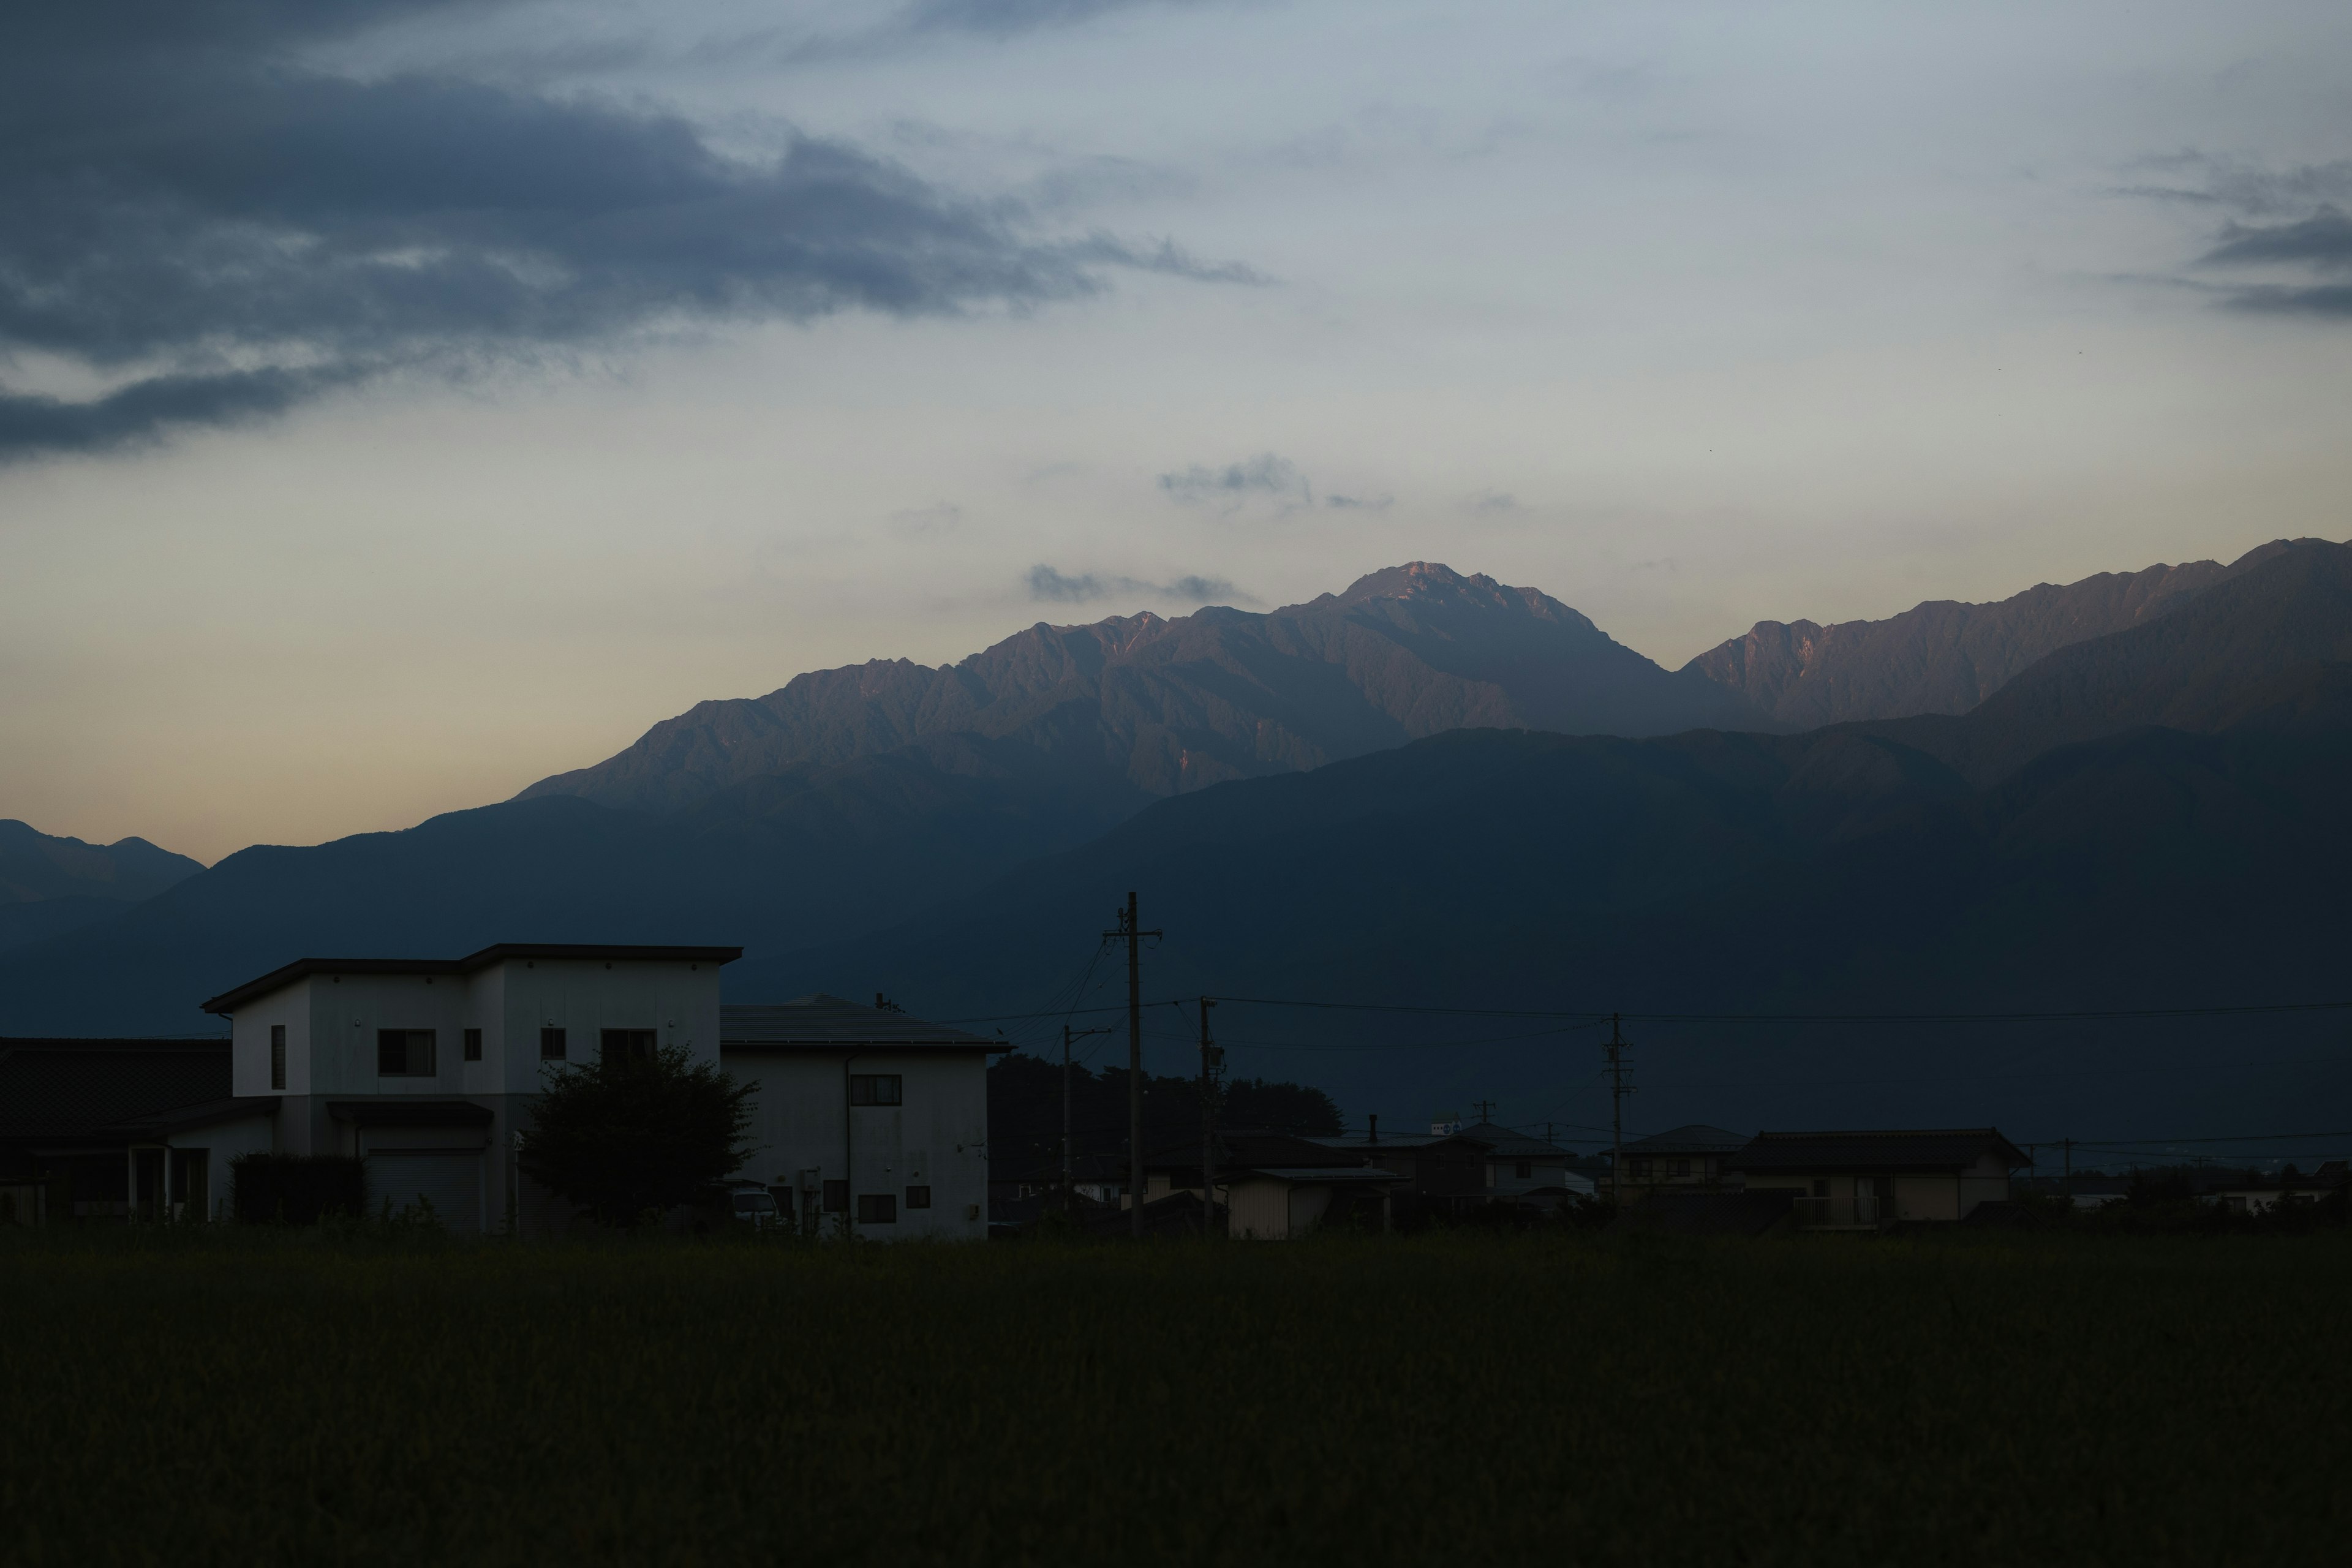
(1684, 1160)
(427, 1068)
(1868, 1180)
(95, 1128)
(1442, 1175)
(1275, 1187)
(1520, 1167)
(2257, 1194)
(865, 1117)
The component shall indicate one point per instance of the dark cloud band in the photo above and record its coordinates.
(179, 188)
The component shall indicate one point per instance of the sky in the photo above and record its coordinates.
(402, 400)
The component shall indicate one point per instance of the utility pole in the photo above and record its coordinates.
(1485, 1109)
(1128, 933)
(2068, 1144)
(1618, 1090)
(1210, 1055)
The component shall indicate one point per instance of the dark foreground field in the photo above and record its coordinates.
(258, 1398)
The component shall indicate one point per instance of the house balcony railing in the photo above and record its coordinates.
(1809, 1214)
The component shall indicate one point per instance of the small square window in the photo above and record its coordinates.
(403, 1053)
(1682, 1167)
(473, 1045)
(918, 1197)
(836, 1197)
(551, 1045)
(278, 1056)
(1524, 1169)
(875, 1088)
(877, 1208)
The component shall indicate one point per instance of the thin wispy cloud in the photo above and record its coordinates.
(1264, 479)
(1050, 585)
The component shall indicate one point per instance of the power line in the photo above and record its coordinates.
(1591, 1019)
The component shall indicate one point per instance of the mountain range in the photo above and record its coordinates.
(1429, 786)
(51, 885)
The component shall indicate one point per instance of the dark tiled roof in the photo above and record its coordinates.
(1696, 1139)
(1509, 1144)
(229, 1001)
(1943, 1148)
(1244, 1149)
(187, 1118)
(1403, 1142)
(60, 1088)
(825, 1022)
(1309, 1174)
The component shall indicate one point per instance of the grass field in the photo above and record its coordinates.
(263, 1398)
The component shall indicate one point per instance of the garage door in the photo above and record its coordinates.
(449, 1180)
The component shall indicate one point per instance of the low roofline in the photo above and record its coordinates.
(277, 979)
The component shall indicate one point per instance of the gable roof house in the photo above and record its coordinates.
(1443, 1175)
(1525, 1169)
(1272, 1186)
(865, 1119)
(1861, 1181)
(1688, 1159)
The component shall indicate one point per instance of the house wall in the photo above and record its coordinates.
(1503, 1180)
(1258, 1209)
(222, 1142)
(1931, 1197)
(801, 1116)
(330, 1050)
(1307, 1205)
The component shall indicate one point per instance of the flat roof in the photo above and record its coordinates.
(822, 1023)
(277, 979)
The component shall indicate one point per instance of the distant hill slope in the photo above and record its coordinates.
(2270, 646)
(49, 885)
(1145, 707)
(1941, 656)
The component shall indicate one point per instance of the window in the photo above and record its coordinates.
(836, 1197)
(1524, 1169)
(874, 1089)
(278, 1056)
(877, 1208)
(473, 1045)
(403, 1053)
(551, 1045)
(1682, 1167)
(1641, 1169)
(627, 1045)
(918, 1197)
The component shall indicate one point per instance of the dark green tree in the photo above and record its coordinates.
(622, 1137)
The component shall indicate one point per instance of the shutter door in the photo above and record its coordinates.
(450, 1180)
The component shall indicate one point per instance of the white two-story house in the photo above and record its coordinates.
(427, 1068)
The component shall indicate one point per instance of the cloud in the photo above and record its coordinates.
(2289, 224)
(1044, 583)
(1263, 478)
(1006, 18)
(1358, 503)
(1494, 503)
(186, 205)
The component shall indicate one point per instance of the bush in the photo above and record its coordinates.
(621, 1138)
(296, 1189)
